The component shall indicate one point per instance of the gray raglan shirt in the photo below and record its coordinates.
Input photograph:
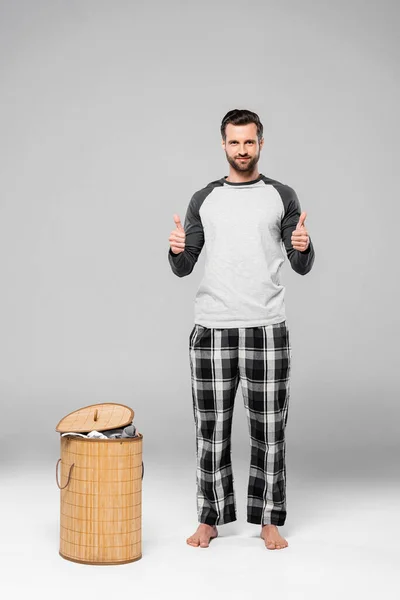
(245, 228)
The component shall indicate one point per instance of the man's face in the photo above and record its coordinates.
(242, 143)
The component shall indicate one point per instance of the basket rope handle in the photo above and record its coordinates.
(69, 475)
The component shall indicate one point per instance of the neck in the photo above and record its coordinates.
(238, 177)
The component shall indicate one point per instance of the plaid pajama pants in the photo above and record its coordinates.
(260, 357)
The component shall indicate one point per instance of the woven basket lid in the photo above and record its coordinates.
(96, 417)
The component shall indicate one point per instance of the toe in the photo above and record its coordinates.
(192, 541)
(271, 545)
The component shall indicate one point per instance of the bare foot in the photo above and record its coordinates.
(271, 537)
(203, 535)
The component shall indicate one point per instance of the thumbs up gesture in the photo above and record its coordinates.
(177, 237)
(300, 239)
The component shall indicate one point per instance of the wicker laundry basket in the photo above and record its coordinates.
(101, 488)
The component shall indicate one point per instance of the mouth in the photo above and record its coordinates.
(245, 158)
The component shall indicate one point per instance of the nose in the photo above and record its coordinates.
(243, 152)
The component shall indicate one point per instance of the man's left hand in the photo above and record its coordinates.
(300, 239)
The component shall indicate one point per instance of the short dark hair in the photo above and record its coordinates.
(239, 116)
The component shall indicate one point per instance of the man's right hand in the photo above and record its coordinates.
(177, 237)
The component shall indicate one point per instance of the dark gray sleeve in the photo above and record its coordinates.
(301, 262)
(182, 264)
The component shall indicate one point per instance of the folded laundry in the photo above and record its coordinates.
(112, 434)
(96, 434)
(122, 432)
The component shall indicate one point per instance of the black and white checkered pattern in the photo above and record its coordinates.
(260, 358)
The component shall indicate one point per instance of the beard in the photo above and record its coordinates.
(243, 167)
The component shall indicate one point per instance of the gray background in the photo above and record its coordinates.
(109, 123)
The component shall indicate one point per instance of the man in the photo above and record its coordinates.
(240, 330)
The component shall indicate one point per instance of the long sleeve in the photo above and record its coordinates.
(301, 262)
(183, 263)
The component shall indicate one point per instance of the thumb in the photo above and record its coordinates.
(301, 220)
(178, 222)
